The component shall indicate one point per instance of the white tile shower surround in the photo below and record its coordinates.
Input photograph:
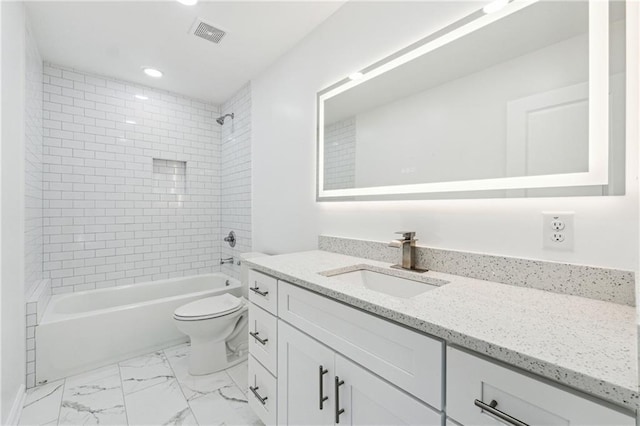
(152, 389)
(235, 178)
(36, 302)
(104, 225)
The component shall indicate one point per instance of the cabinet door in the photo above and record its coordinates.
(369, 400)
(305, 373)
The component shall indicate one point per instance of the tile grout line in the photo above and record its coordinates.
(175, 376)
(64, 387)
(124, 400)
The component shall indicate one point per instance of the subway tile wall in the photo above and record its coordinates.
(235, 169)
(33, 166)
(340, 154)
(104, 225)
(35, 305)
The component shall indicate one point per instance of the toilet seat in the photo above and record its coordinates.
(208, 308)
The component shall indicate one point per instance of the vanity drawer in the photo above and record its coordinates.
(263, 337)
(517, 394)
(410, 360)
(262, 392)
(263, 291)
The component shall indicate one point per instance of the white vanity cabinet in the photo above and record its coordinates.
(318, 386)
(409, 360)
(314, 360)
(305, 382)
(481, 392)
(263, 346)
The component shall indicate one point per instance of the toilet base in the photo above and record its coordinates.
(211, 357)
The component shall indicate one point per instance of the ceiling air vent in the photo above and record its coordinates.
(207, 31)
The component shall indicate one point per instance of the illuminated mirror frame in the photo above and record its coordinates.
(597, 173)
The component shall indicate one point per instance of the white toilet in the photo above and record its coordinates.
(212, 324)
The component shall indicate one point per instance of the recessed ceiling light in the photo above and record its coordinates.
(188, 2)
(495, 6)
(152, 72)
(141, 97)
(130, 122)
(356, 76)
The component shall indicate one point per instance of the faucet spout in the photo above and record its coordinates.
(407, 247)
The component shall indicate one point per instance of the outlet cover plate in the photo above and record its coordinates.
(550, 238)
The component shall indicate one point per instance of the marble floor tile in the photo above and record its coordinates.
(94, 398)
(42, 404)
(145, 371)
(228, 406)
(154, 389)
(160, 404)
(194, 386)
(240, 375)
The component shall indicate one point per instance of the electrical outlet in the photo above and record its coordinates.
(557, 230)
(557, 224)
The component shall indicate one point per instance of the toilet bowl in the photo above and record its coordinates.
(211, 323)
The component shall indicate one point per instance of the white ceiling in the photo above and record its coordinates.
(118, 38)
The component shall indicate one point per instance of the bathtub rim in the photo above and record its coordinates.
(234, 283)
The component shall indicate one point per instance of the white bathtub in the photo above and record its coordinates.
(89, 329)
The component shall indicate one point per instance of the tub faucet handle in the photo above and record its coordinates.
(231, 239)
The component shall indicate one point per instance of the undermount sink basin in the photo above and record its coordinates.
(385, 283)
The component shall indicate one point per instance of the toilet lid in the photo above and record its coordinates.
(209, 307)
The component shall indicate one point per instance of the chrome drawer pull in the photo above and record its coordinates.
(262, 400)
(323, 398)
(338, 409)
(256, 290)
(491, 408)
(254, 334)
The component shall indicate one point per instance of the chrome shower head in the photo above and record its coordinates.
(220, 120)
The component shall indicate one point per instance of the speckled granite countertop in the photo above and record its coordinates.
(587, 344)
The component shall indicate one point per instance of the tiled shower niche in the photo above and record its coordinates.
(169, 177)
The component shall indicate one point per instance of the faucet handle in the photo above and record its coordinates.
(407, 235)
(395, 243)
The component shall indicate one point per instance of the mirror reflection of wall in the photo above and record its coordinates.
(510, 99)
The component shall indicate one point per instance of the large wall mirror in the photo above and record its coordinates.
(528, 100)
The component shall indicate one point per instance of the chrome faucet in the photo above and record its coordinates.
(407, 246)
(227, 260)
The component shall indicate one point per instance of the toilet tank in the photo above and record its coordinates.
(244, 271)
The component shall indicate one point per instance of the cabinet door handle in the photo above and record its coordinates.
(321, 373)
(254, 334)
(254, 390)
(491, 408)
(339, 410)
(256, 290)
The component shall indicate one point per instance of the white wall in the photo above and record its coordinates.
(12, 154)
(33, 196)
(105, 223)
(33, 166)
(235, 178)
(286, 216)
